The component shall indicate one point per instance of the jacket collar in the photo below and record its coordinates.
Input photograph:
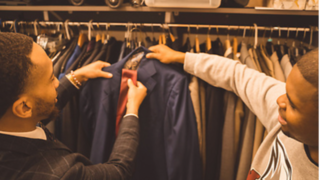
(145, 71)
(28, 146)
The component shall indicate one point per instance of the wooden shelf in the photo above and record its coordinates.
(149, 9)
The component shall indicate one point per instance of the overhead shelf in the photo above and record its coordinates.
(149, 9)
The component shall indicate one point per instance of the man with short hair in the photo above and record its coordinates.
(288, 111)
(29, 93)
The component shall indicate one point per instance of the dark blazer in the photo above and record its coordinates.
(94, 53)
(35, 159)
(59, 62)
(169, 147)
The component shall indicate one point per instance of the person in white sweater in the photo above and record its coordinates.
(288, 111)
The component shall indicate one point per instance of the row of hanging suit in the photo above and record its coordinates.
(229, 133)
(188, 128)
(88, 124)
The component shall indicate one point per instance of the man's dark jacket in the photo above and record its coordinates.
(35, 159)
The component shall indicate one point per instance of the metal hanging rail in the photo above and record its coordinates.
(165, 26)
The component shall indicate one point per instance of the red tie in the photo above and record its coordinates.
(123, 95)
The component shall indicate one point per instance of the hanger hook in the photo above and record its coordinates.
(244, 32)
(15, 26)
(304, 34)
(152, 29)
(107, 28)
(271, 31)
(217, 28)
(255, 35)
(297, 32)
(89, 29)
(35, 24)
(66, 26)
(238, 30)
(264, 33)
(311, 34)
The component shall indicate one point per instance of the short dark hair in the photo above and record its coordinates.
(308, 66)
(15, 67)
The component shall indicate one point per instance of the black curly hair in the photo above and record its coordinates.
(15, 67)
(309, 68)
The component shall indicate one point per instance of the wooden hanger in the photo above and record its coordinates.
(98, 37)
(160, 39)
(173, 39)
(196, 42)
(208, 41)
(227, 42)
(82, 39)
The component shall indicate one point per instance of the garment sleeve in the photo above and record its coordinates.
(121, 162)
(258, 91)
(65, 91)
(181, 136)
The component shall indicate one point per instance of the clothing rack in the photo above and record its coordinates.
(164, 26)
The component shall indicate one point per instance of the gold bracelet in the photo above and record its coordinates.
(70, 78)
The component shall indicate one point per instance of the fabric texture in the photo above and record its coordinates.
(278, 73)
(194, 94)
(73, 57)
(244, 158)
(94, 53)
(286, 65)
(228, 156)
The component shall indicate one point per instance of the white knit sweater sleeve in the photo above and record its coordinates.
(258, 91)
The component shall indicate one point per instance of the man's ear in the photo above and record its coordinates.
(22, 108)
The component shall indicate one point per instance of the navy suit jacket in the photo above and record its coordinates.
(169, 148)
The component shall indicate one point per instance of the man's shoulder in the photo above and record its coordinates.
(23, 157)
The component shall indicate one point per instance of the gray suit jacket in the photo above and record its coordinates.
(34, 159)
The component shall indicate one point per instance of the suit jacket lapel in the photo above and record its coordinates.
(145, 72)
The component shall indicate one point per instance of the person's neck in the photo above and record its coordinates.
(14, 124)
(312, 152)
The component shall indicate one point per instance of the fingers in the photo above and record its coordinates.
(130, 83)
(140, 85)
(153, 55)
(154, 48)
(103, 64)
(105, 74)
